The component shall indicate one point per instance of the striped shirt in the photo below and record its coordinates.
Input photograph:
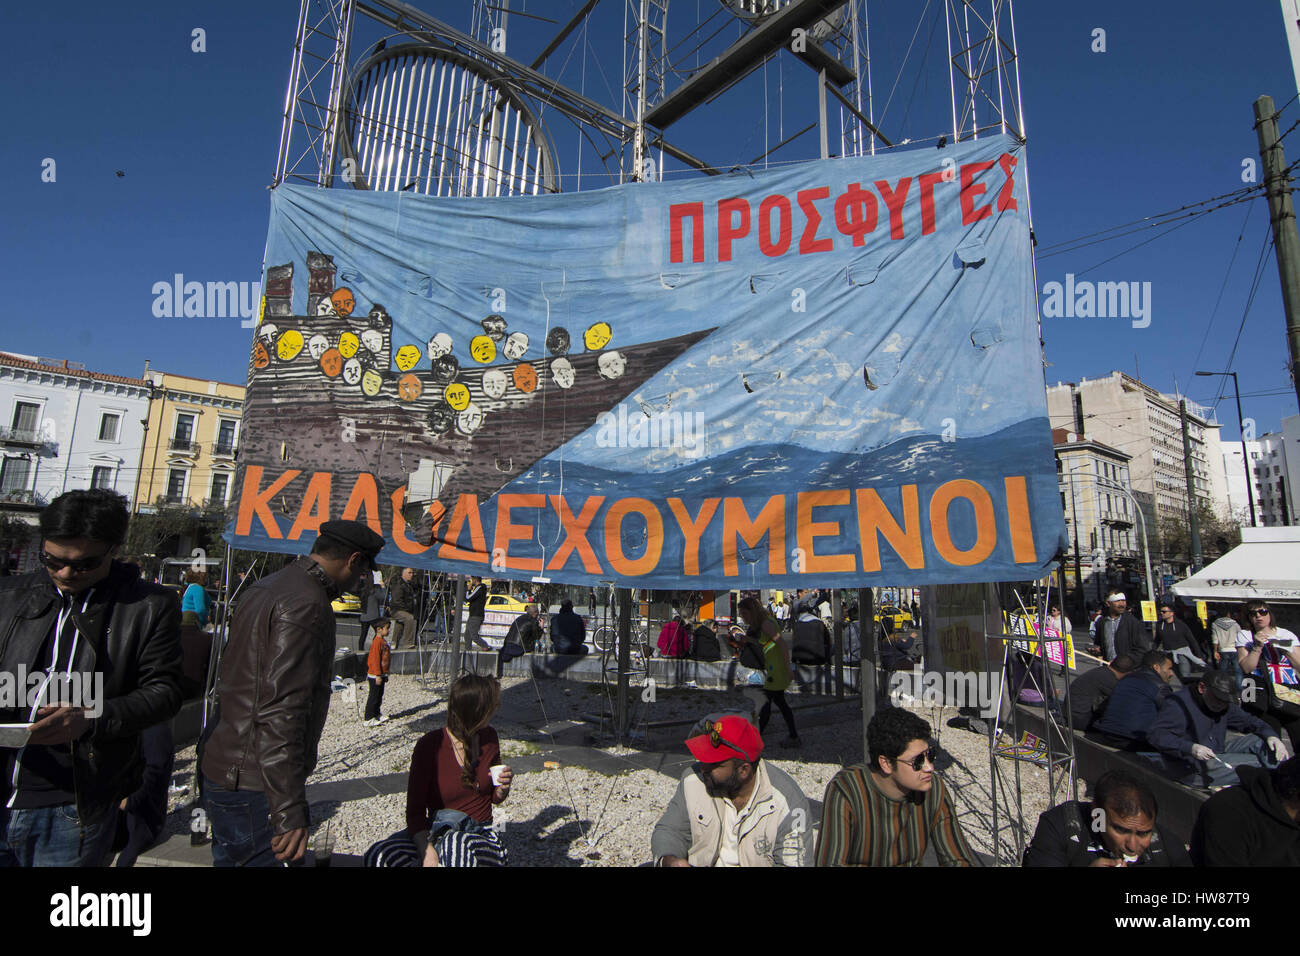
(861, 826)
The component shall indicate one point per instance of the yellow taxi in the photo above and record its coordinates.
(346, 603)
(503, 603)
(896, 617)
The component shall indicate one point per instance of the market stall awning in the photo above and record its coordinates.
(1266, 565)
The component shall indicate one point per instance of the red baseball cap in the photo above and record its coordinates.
(724, 739)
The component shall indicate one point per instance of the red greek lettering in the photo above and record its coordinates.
(894, 198)
(781, 244)
(926, 182)
(676, 213)
(726, 230)
(1005, 199)
(856, 212)
(971, 191)
(809, 242)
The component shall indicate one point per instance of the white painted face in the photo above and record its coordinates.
(268, 333)
(562, 372)
(469, 421)
(494, 383)
(325, 307)
(316, 346)
(439, 346)
(516, 345)
(352, 371)
(373, 340)
(611, 365)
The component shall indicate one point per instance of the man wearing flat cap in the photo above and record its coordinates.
(273, 696)
(1191, 732)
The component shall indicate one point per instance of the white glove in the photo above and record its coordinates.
(1202, 752)
(1279, 749)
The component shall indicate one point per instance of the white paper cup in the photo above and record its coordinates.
(496, 774)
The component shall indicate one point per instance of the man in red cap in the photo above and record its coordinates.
(732, 809)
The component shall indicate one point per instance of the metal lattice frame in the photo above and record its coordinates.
(645, 64)
(316, 81)
(984, 71)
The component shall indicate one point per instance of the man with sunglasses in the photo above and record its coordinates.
(273, 697)
(85, 621)
(890, 812)
(731, 808)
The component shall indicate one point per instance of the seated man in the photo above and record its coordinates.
(1118, 828)
(568, 631)
(525, 630)
(732, 809)
(1136, 699)
(1191, 733)
(1255, 824)
(1090, 692)
(889, 812)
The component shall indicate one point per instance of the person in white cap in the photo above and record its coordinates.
(1119, 632)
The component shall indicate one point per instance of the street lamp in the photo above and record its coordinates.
(1245, 454)
(1114, 486)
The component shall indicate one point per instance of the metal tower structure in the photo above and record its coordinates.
(645, 62)
(984, 68)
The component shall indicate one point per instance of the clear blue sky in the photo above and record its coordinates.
(1161, 119)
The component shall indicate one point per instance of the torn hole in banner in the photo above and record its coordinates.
(970, 252)
(866, 270)
(760, 284)
(753, 381)
(985, 336)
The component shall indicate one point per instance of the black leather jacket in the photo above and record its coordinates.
(130, 632)
(274, 691)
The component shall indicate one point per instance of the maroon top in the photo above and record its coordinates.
(435, 780)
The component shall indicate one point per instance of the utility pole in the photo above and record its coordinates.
(1193, 518)
(1281, 213)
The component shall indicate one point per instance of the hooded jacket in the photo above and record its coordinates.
(127, 629)
(1246, 825)
(1182, 722)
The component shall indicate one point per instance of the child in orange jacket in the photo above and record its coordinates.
(377, 663)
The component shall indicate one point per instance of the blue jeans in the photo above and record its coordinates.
(241, 826)
(54, 836)
(1247, 750)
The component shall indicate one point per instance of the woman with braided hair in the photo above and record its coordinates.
(450, 791)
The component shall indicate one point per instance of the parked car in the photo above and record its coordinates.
(346, 603)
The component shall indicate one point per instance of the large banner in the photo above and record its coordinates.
(828, 372)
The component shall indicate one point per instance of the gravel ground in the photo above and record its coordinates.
(616, 810)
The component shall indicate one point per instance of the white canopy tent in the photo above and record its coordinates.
(1265, 566)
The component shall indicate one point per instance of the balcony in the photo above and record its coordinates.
(22, 499)
(22, 437)
(214, 504)
(225, 450)
(183, 445)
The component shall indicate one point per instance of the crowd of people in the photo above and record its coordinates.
(85, 781)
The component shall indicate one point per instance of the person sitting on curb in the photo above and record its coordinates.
(1135, 701)
(1255, 824)
(568, 631)
(731, 808)
(889, 812)
(1090, 692)
(1118, 828)
(1191, 730)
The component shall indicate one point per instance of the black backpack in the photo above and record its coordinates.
(812, 643)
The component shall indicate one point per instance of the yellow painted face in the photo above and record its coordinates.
(483, 349)
(598, 336)
(409, 388)
(288, 345)
(406, 357)
(371, 382)
(344, 301)
(348, 344)
(457, 396)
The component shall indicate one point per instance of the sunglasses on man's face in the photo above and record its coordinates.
(77, 565)
(1259, 611)
(920, 760)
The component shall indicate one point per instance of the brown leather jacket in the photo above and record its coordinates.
(273, 692)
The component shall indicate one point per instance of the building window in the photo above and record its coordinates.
(13, 474)
(183, 436)
(225, 437)
(101, 477)
(176, 485)
(109, 422)
(220, 482)
(26, 417)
